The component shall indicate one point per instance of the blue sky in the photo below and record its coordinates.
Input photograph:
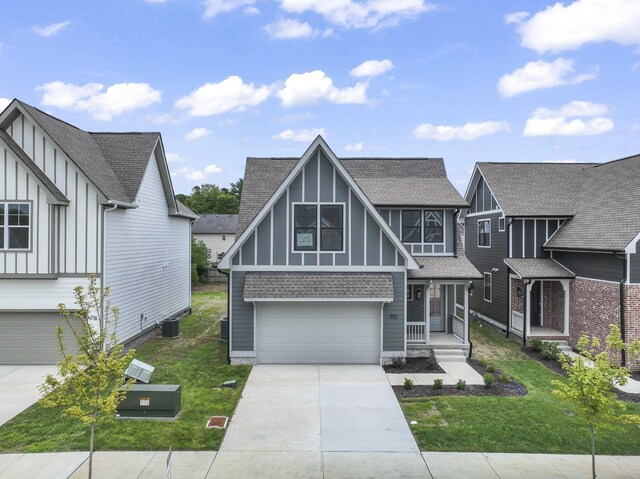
(225, 79)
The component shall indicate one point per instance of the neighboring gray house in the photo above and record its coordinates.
(74, 204)
(217, 231)
(556, 244)
(351, 260)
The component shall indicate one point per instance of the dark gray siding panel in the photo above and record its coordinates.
(295, 189)
(248, 250)
(236, 259)
(395, 222)
(241, 315)
(357, 231)
(388, 252)
(342, 189)
(529, 247)
(449, 223)
(295, 259)
(485, 259)
(311, 179)
(264, 240)
(373, 242)
(480, 195)
(280, 231)
(541, 237)
(605, 266)
(310, 259)
(634, 268)
(326, 259)
(326, 180)
(487, 198)
(393, 317)
(516, 239)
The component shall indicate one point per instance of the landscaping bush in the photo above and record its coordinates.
(397, 362)
(505, 378)
(550, 350)
(491, 368)
(488, 380)
(408, 384)
(536, 344)
(438, 384)
(461, 384)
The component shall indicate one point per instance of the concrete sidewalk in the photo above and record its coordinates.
(328, 465)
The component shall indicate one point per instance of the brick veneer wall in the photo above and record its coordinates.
(553, 305)
(517, 301)
(632, 318)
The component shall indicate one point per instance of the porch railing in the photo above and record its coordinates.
(416, 332)
(457, 326)
(517, 321)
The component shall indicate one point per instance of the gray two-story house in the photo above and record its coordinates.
(556, 245)
(350, 260)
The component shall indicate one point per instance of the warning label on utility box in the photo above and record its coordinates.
(145, 401)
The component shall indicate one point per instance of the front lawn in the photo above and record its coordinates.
(196, 360)
(539, 422)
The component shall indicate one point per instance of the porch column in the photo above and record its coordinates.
(466, 312)
(526, 327)
(565, 289)
(427, 299)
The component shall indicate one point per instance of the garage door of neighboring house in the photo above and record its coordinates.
(318, 333)
(30, 338)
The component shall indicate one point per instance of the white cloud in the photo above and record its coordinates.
(516, 17)
(297, 117)
(354, 147)
(541, 74)
(355, 14)
(214, 7)
(216, 98)
(195, 175)
(51, 30)
(196, 134)
(566, 160)
(251, 11)
(372, 68)
(156, 1)
(546, 122)
(4, 102)
(313, 87)
(174, 158)
(468, 131)
(212, 169)
(100, 103)
(300, 135)
(287, 28)
(563, 27)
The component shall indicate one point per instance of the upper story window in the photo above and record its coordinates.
(224, 237)
(422, 226)
(484, 233)
(487, 287)
(501, 226)
(318, 227)
(15, 222)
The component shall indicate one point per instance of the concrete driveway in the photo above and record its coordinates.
(19, 388)
(314, 421)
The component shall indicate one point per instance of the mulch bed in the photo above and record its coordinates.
(499, 388)
(415, 365)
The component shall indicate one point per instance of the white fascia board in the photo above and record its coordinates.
(225, 262)
(631, 247)
(318, 300)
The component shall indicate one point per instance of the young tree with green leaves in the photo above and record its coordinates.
(200, 259)
(590, 383)
(88, 384)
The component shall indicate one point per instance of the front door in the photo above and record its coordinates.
(436, 312)
(535, 304)
(415, 303)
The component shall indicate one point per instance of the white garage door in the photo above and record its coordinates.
(318, 333)
(30, 338)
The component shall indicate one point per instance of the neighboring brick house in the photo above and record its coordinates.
(350, 260)
(217, 231)
(556, 244)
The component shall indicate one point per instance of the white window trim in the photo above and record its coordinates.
(502, 220)
(484, 287)
(318, 204)
(6, 226)
(422, 211)
(478, 235)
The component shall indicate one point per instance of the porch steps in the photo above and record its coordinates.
(449, 355)
(563, 346)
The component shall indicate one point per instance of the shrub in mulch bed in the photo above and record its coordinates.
(503, 386)
(414, 365)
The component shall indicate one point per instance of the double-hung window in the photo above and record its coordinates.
(487, 287)
(15, 225)
(318, 227)
(411, 226)
(484, 233)
(433, 231)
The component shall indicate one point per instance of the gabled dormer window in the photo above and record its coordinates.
(433, 232)
(15, 225)
(423, 226)
(318, 227)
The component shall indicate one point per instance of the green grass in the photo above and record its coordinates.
(196, 360)
(535, 423)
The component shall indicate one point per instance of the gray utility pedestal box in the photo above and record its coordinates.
(151, 401)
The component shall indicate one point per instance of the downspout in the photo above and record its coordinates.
(469, 288)
(103, 283)
(455, 232)
(228, 317)
(524, 310)
(506, 270)
(622, 306)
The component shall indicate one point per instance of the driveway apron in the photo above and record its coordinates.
(19, 388)
(310, 420)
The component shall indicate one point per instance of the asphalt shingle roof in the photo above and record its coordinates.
(318, 285)
(114, 162)
(33, 167)
(445, 267)
(535, 189)
(210, 224)
(538, 268)
(385, 181)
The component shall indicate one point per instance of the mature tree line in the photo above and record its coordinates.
(211, 199)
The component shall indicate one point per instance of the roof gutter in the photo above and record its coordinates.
(121, 204)
(580, 250)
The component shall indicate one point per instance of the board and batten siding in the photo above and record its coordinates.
(393, 217)
(147, 259)
(482, 199)
(528, 236)
(64, 239)
(242, 333)
(393, 329)
(271, 243)
(485, 260)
